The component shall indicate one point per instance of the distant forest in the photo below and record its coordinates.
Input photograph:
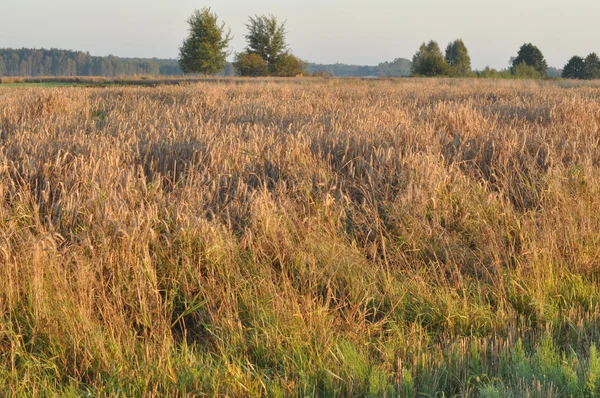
(400, 67)
(55, 62)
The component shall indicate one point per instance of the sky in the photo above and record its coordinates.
(322, 31)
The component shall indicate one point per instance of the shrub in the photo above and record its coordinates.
(250, 65)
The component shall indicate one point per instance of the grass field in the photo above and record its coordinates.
(302, 238)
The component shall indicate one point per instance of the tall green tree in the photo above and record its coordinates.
(429, 61)
(574, 69)
(457, 56)
(531, 56)
(592, 67)
(205, 49)
(266, 38)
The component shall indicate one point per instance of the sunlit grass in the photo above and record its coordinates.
(302, 238)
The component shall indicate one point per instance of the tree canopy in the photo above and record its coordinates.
(582, 68)
(267, 52)
(531, 56)
(205, 49)
(266, 37)
(592, 67)
(457, 56)
(574, 69)
(429, 61)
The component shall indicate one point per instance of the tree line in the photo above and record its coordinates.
(528, 64)
(399, 67)
(54, 62)
(206, 49)
(456, 62)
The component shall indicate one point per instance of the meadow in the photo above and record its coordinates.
(303, 237)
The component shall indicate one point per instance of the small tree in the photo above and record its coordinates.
(592, 67)
(252, 65)
(457, 56)
(574, 69)
(205, 49)
(429, 61)
(266, 38)
(532, 56)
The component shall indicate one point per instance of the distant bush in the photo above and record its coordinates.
(490, 73)
(289, 65)
(521, 71)
(524, 71)
(252, 65)
(319, 73)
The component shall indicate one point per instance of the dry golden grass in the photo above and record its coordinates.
(308, 237)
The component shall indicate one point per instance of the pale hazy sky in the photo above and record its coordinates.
(324, 31)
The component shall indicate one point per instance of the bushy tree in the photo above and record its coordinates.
(266, 38)
(248, 64)
(205, 49)
(429, 61)
(592, 67)
(289, 65)
(457, 56)
(574, 69)
(531, 56)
